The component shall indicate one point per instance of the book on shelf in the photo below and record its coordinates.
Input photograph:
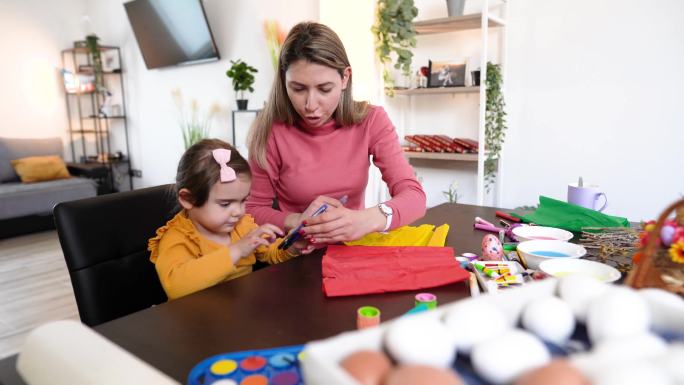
(440, 143)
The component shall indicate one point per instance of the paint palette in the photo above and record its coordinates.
(278, 366)
(499, 275)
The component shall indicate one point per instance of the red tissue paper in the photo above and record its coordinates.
(355, 270)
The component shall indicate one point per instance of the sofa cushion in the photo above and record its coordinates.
(15, 148)
(40, 168)
(21, 199)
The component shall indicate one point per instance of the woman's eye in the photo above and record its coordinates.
(326, 90)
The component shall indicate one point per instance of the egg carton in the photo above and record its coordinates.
(320, 361)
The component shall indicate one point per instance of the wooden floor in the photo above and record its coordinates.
(34, 287)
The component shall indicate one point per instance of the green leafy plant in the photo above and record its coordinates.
(94, 50)
(195, 126)
(452, 193)
(495, 123)
(394, 34)
(242, 76)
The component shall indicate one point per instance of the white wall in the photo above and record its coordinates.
(595, 89)
(32, 35)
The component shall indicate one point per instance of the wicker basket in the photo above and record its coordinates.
(655, 263)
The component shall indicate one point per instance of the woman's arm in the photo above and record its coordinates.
(260, 201)
(408, 201)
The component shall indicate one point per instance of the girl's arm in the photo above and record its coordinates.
(181, 273)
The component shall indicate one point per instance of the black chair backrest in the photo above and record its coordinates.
(104, 240)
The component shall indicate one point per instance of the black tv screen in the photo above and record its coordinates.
(171, 32)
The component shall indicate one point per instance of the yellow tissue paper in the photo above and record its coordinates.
(422, 235)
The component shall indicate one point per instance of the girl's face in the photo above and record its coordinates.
(315, 90)
(223, 209)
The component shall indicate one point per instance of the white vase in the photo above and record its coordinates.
(455, 7)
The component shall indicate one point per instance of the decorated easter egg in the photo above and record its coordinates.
(666, 235)
(492, 248)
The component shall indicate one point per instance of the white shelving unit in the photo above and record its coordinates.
(492, 15)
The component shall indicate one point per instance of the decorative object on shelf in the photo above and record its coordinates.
(476, 77)
(660, 259)
(395, 35)
(274, 40)
(452, 193)
(94, 50)
(455, 7)
(495, 123)
(196, 126)
(110, 61)
(242, 76)
(450, 73)
(440, 143)
(422, 77)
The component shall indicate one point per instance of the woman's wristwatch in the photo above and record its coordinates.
(387, 212)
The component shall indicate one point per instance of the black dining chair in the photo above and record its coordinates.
(104, 240)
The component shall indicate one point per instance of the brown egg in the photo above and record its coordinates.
(368, 367)
(422, 375)
(557, 372)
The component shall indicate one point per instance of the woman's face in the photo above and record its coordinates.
(315, 90)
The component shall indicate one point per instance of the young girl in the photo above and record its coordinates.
(211, 240)
(312, 144)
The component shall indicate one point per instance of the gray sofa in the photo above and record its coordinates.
(27, 207)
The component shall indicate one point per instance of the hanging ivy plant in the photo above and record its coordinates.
(495, 123)
(394, 33)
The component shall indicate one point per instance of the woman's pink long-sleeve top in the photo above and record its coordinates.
(332, 160)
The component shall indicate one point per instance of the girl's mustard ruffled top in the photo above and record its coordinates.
(187, 262)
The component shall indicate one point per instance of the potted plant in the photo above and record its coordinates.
(394, 35)
(242, 76)
(495, 122)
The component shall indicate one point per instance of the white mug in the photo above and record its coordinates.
(586, 196)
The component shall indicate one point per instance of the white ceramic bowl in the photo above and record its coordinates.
(535, 252)
(598, 270)
(532, 233)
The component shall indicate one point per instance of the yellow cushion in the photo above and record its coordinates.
(40, 168)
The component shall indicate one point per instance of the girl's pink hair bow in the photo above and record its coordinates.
(222, 157)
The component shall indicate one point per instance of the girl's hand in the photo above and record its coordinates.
(262, 235)
(340, 224)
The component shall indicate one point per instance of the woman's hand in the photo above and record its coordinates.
(340, 224)
(294, 219)
(262, 235)
(302, 246)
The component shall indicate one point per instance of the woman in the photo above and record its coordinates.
(312, 142)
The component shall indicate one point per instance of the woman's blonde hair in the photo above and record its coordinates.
(315, 43)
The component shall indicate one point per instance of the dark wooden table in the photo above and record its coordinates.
(277, 306)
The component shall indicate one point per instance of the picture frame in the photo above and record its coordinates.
(447, 73)
(110, 61)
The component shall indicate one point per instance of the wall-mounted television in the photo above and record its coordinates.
(171, 32)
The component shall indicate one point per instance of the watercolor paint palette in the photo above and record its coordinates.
(499, 275)
(277, 366)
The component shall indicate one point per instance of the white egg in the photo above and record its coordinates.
(501, 360)
(420, 341)
(578, 290)
(667, 310)
(465, 316)
(672, 362)
(631, 348)
(620, 311)
(550, 318)
(639, 373)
